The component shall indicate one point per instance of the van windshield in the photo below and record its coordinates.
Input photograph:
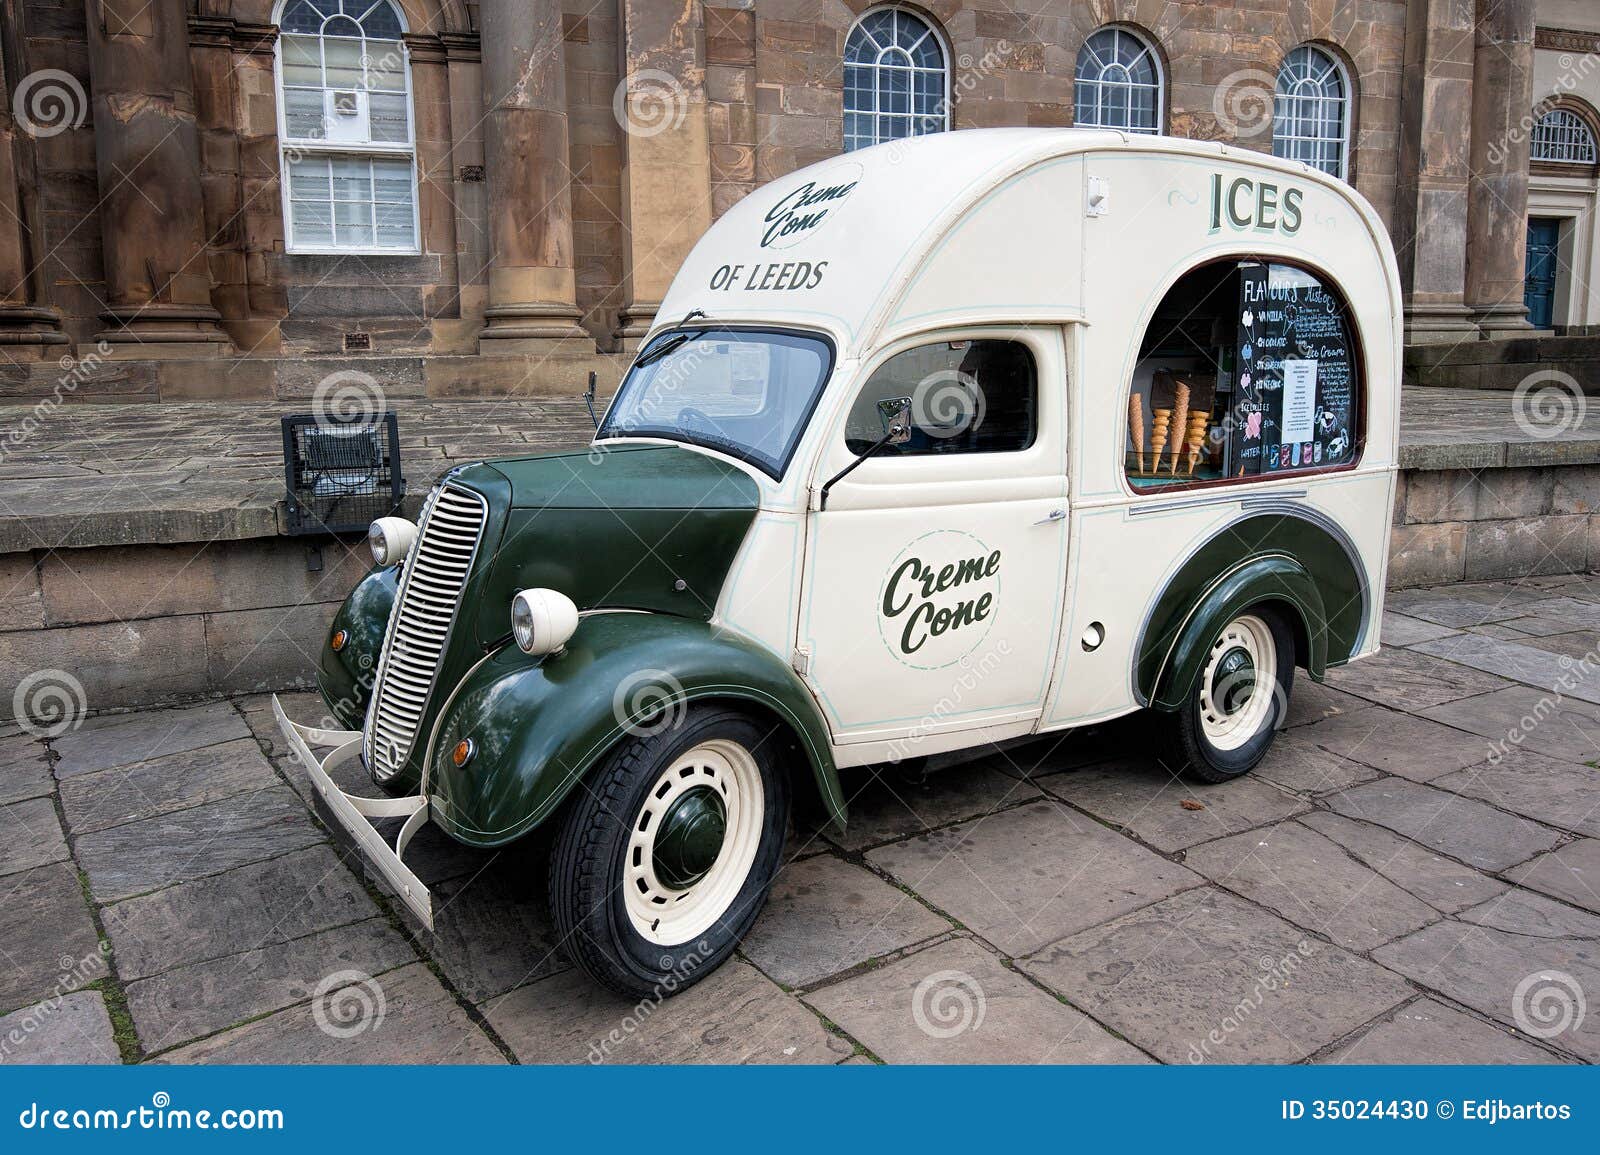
(744, 392)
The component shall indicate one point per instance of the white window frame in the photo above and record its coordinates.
(945, 109)
(1346, 102)
(1156, 64)
(1577, 122)
(294, 147)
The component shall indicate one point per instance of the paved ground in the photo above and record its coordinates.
(1411, 876)
(190, 472)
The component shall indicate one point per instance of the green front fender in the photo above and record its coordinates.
(345, 678)
(540, 725)
(1270, 578)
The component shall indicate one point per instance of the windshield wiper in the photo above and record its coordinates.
(676, 341)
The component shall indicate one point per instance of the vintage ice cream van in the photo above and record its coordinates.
(934, 445)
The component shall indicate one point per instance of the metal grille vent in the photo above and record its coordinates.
(419, 628)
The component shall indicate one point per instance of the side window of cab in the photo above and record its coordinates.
(971, 396)
(1249, 369)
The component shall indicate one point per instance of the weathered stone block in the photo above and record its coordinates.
(1533, 545)
(1426, 554)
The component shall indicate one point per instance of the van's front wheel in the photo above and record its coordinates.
(665, 859)
(1239, 701)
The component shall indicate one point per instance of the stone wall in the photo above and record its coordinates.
(1482, 525)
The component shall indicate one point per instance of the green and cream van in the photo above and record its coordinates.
(935, 445)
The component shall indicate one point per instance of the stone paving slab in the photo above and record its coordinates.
(1313, 883)
(1515, 662)
(1027, 876)
(1403, 630)
(1463, 828)
(1527, 912)
(1398, 743)
(121, 739)
(884, 808)
(1530, 718)
(733, 1016)
(1485, 969)
(46, 934)
(1297, 763)
(1317, 701)
(1571, 873)
(1148, 800)
(24, 772)
(183, 1004)
(1428, 1032)
(825, 915)
(30, 835)
(955, 1003)
(1565, 795)
(100, 799)
(155, 852)
(1205, 977)
(297, 894)
(1410, 680)
(404, 1016)
(493, 932)
(74, 1029)
(1443, 884)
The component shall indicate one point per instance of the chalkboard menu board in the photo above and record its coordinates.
(1293, 399)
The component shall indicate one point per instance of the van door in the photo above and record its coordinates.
(934, 575)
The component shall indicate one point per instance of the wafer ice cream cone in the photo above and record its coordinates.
(1159, 419)
(1195, 441)
(1136, 427)
(1180, 423)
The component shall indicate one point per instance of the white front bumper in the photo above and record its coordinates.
(352, 811)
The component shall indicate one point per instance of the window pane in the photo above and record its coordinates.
(894, 79)
(394, 227)
(381, 22)
(302, 113)
(352, 180)
(387, 118)
(302, 61)
(393, 180)
(966, 397)
(311, 222)
(343, 63)
(354, 224)
(300, 16)
(309, 178)
(385, 66)
(1117, 84)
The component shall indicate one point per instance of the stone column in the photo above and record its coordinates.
(532, 281)
(1497, 214)
(1430, 231)
(147, 158)
(666, 171)
(28, 331)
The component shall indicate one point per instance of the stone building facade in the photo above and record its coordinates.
(170, 210)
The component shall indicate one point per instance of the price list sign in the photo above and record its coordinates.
(1293, 397)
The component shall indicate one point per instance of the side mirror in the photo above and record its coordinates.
(895, 413)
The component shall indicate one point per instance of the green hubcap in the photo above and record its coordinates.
(1234, 681)
(690, 838)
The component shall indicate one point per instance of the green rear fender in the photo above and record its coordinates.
(345, 678)
(1289, 557)
(540, 725)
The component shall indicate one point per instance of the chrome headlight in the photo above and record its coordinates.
(391, 538)
(542, 620)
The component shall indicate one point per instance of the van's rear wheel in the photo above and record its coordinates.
(665, 859)
(1239, 701)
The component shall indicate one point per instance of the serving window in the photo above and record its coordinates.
(1248, 369)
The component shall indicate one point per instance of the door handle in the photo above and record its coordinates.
(1053, 515)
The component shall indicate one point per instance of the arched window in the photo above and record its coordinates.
(345, 127)
(1118, 83)
(1311, 115)
(1563, 137)
(895, 79)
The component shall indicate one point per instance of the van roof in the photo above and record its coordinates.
(995, 222)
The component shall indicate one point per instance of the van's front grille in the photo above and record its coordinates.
(419, 627)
